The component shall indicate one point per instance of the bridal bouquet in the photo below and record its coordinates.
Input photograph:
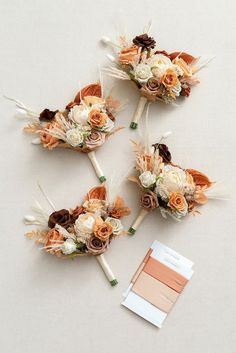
(83, 126)
(167, 187)
(86, 229)
(159, 76)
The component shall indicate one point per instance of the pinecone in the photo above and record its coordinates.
(144, 41)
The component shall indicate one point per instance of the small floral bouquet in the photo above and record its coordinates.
(159, 76)
(165, 186)
(87, 229)
(83, 126)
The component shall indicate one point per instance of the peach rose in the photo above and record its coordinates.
(103, 231)
(127, 55)
(178, 203)
(169, 79)
(97, 119)
(48, 140)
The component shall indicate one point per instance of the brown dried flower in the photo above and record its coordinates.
(62, 217)
(149, 200)
(47, 115)
(163, 151)
(144, 41)
(76, 212)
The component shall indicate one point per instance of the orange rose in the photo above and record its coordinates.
(169, 79)
(127, 55)
(97, 119)
(48, 140)
(103, 231)
(178, 202)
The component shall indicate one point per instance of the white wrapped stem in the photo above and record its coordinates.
(106, 269)
(138, 113)
(142, 214)
(96, 166)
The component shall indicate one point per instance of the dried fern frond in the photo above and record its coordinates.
(115, 131)
(32, 128)
(135, 180)
(38, 235)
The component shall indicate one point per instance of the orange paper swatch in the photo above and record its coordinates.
(165, 275)
(155, 292)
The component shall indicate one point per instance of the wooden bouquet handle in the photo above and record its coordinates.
(142, 214)
(96, 166)
(107, 270)
(138, 112)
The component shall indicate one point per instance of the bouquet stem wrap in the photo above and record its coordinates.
(107, 270)
(138, 113)
(142, 214)
(96, 166)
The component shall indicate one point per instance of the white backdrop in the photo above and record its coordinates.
(47, 305)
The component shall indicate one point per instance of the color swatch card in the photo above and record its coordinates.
(157, 283)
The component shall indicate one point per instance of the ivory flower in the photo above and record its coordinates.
(68, 247)
(84, 226)
(171, 179)
(142, 73)
(116, 225)
(147, 179)
(79, 114)
(74, 137)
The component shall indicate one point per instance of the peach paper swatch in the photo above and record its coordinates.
(155, 292)
(165, 275)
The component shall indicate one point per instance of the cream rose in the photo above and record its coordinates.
(109, 125)
(84, 226)
(116, 224)
(147, 179)
(142, 73)
(74, 137)
(171, 179)
(79, 114)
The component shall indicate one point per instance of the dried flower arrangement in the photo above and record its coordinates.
(86, 229)
(165, 186)
(83, 126)
(159, 76)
